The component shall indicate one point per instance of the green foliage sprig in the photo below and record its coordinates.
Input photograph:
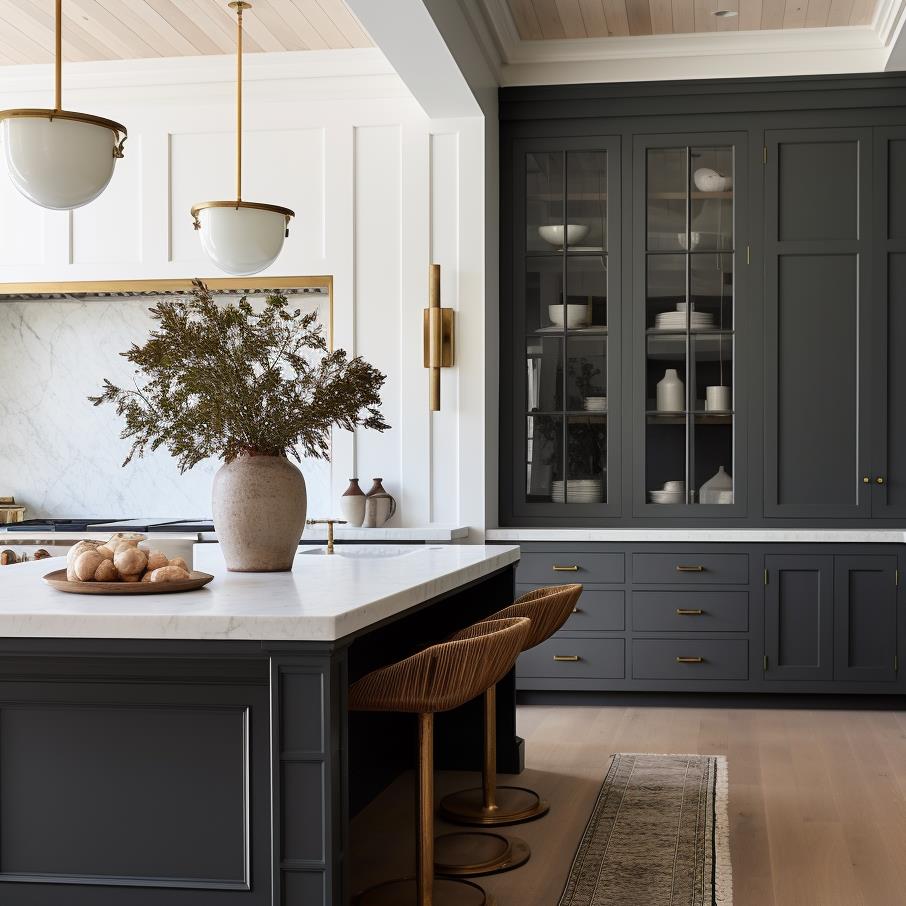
(224, 380)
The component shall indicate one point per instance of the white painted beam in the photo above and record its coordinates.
(414, 45)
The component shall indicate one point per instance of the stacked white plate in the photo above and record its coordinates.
(595, 403)
(676, 320)
(580, 490)
(672, 492)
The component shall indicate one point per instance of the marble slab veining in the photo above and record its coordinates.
(711, 536)
(323, 598)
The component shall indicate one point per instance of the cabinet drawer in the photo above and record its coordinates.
(554, 568)
(690, 611)
(690, 569)
(598, 610)
(720, 658)
(571, 657)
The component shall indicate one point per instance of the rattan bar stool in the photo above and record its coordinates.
(439, 678)
(489, 805)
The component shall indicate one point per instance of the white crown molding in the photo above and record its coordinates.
(888, 15)
(692, 56)
(352, 63)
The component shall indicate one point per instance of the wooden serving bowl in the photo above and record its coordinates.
(57, 579)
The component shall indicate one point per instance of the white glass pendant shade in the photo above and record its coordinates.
(60, 161)
(241, 238)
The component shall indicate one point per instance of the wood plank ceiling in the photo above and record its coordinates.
(538, 20)
(139, 29)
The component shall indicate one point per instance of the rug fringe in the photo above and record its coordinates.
(723, 871)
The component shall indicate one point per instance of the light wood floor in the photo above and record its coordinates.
(817, 800)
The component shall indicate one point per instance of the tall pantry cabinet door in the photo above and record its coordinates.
(817, 315)
(888, 481)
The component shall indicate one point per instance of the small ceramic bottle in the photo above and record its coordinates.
(379, 505)
(352, 504)
(671, 392)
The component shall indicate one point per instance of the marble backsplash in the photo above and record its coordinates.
(59, 455)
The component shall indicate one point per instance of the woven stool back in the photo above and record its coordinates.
(548, 609)
(446, 675)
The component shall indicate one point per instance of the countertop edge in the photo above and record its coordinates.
(695, 535)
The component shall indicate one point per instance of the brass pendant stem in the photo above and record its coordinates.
(424, 803)
(239, 104)
(58, 56)
(489, 768)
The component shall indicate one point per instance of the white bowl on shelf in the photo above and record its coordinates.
(576, 315)
(575, 233)
(708, 180)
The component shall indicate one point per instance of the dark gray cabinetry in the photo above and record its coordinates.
(889, 325)
(732, 617)
(799, 617)
(817, 338)
(865, 618)
(791, 272)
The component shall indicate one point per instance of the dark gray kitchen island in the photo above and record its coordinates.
(195, 749)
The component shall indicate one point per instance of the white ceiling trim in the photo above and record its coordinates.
(782, 52)
(175, 71)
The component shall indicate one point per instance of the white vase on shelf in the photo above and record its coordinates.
(671, 392)
(717, 489)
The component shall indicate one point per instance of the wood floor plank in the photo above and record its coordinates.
(817, 799)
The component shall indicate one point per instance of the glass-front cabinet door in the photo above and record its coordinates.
(565, 312)
(687, 305)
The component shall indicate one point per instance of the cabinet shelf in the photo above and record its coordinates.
(654, 417)
(571, 413)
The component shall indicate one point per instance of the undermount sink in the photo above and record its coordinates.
(363, 551)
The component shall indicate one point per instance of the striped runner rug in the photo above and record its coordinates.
(658, 836)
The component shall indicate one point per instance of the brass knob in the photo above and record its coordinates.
(879, 480)
(866, 480)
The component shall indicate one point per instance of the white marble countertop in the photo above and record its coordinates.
(709, 535)
(438, 533)
(323, 598)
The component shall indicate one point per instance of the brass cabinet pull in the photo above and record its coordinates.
(690, 569)
(880, 479)
(576, 610)
(566, 569)
(684, 612)
(866, 480)
(690, 660)
(572, 658)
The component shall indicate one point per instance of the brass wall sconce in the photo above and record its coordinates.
(439, 323)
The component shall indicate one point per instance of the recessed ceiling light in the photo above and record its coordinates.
(725, 13)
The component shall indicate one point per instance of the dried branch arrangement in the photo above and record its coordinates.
(223, 380)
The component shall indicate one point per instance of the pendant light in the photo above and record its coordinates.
(241, 237)
(56, 158)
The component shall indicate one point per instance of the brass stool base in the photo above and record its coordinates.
(403, 892)
(469, 854)
(515, 805)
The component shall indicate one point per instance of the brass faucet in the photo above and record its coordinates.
(330, 523)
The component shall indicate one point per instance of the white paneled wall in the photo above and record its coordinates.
(379, 191)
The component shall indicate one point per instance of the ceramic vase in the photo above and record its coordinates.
(717, 489)
(259, 505)
(352, 504)
(671, 392)
(379, 506)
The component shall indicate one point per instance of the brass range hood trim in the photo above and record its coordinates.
(177, 285)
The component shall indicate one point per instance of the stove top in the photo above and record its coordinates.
(145, 524)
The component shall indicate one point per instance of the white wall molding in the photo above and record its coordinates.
(354, 160)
